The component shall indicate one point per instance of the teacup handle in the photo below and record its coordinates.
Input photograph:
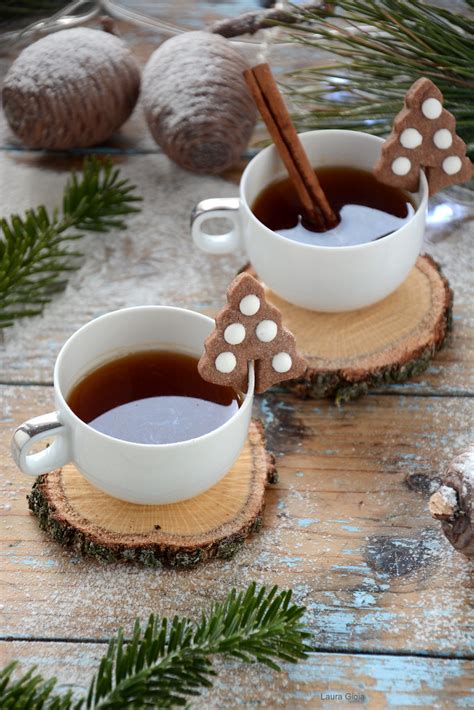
(214, 208)
(55, 456)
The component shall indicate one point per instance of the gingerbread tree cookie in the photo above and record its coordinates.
(423, 136)
(250, 328)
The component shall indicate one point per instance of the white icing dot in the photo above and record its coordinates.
(225, 362)
(401, 166)
(411, 138)
(443, 139)
(234, 333)
(249, 305)
(452, 165)
(282, 362)
(266, 330)
(431, 108)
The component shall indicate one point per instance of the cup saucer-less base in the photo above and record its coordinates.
(388, 342)
(213, 524)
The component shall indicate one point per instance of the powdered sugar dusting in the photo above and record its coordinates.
(69, 55)
(443, 502)
(449, 495)
(358, 547)
(70, 89)
(198, 107)
(464, 464)
(152, 261)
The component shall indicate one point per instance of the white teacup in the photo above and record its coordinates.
(138, 473)
(321, 278)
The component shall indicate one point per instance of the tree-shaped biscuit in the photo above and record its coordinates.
(249, 328)
(423, 136)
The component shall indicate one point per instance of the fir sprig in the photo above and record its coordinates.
(379, 48)
(165, 663)
(35, 250)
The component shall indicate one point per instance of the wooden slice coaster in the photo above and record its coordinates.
(350, 352)
(214, 524)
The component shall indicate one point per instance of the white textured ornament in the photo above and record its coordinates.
(249, 305)
(197, 105)
(282, 362)
(411, 138)
(452, 165)
(443, 139)
(225, 362)
(234, 334)
(431, 108)
(71, 89)
(266, 331)
(401, 166)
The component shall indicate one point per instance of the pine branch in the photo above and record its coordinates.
(33, 692)
(35, 250)
(378, 50)
(165, 663)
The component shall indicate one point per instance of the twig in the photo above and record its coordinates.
(252, 22)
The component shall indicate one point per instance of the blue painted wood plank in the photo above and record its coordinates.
(326, 681)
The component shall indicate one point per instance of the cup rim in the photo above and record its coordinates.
(376, 244)
(247, 401)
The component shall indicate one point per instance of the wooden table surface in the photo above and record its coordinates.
(347, 527)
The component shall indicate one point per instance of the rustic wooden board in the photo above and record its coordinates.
(324, 681)
(150, 260)
(347, 527)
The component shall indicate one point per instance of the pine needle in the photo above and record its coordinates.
(167, 662)
(32, 691)
(36, 250)
(378, 49)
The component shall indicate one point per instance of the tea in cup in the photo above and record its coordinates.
(359, 262)
(132, 412)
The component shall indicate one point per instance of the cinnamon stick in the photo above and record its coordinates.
(280, 126)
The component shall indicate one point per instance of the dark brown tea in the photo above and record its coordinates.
(367, 209)
(152, 397)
